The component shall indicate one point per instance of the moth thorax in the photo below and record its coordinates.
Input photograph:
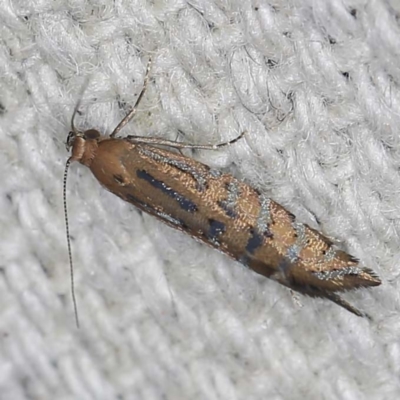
(84, 147)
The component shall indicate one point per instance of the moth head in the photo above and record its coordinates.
(82, 145)
(90, 134)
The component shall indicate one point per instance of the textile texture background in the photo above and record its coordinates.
(316, 85)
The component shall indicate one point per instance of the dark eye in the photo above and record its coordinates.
(91, 134)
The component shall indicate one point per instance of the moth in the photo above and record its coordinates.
(217, 209)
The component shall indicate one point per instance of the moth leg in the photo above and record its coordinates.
(131, 113)
(158, 141)
(347, 306)
(296, 298)
(315, 292)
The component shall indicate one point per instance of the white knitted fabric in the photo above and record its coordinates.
(315, 83)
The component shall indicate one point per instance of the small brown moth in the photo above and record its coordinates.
(217, 209)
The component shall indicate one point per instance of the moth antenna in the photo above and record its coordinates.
(71, 267)
(78, 104)
(131, 113)
(73, 129)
